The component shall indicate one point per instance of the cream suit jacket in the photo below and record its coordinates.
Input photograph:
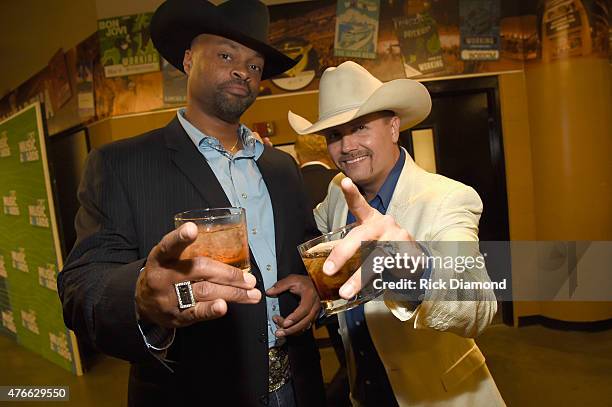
(427, 350)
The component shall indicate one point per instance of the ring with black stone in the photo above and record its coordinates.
(184, 293)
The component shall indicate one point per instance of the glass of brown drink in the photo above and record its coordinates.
(222, 235)
(314, 253)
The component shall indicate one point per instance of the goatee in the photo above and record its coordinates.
(230, 108)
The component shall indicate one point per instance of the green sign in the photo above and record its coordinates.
(126, 47)
(30, 255)
(419, 43)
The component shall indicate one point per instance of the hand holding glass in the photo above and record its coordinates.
(222, 235)
(314, 253)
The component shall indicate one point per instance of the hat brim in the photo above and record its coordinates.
(176, 23)
(408, 99)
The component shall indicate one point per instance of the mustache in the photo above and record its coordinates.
(354, 154)
(237, 82)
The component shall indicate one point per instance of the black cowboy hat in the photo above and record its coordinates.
(177, 22)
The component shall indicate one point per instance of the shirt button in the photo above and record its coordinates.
(274, 308)
(268, 267)
(254, 231)
(244, 195)
(357, 323)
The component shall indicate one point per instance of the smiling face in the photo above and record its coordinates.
(223, 76)
(365, 149)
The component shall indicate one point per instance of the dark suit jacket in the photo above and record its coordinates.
(317, 179)
(129, 193)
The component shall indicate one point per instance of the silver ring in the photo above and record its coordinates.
(184, 293)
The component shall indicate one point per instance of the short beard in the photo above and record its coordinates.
(230, 108)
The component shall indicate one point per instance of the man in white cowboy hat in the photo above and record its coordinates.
(222, 342)
(407, 353)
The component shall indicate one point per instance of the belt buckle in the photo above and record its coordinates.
(278, 366)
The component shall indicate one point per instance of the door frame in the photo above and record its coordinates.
(490, 86)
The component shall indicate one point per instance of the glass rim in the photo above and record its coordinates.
(324, 236)
(190, 215)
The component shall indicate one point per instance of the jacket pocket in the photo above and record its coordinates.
(466, 365)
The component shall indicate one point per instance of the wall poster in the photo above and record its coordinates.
(479, 25)
(30, 253)
(126, 47)
(357, 28)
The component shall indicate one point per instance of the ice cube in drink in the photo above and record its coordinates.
(225, 243)
(328, 286)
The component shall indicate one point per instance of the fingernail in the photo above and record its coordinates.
(346, 291)
(253, 294)
(347, 182)
(279, 333)
(328, 267)
(287, 323)
(188, 231)
(217, 308)
(250, 279)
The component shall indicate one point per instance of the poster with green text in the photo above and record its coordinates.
(30, 255)
(126, 47)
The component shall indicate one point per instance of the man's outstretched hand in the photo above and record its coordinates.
(372, 225)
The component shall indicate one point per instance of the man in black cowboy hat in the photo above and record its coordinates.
(223, 340)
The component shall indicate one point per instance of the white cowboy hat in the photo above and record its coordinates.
(349, 91)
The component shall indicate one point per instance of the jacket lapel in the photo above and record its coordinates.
(408, 185)
(268, 169)
(340, 214)
(190, 162)
(337, 208)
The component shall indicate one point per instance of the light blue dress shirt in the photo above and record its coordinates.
(244, 187)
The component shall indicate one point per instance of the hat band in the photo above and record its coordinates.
(327, 115)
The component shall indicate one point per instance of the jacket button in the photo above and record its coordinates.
(263, 338)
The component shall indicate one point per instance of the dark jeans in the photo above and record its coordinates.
(283, 397)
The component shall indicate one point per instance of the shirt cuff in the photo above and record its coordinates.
(157, 339)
